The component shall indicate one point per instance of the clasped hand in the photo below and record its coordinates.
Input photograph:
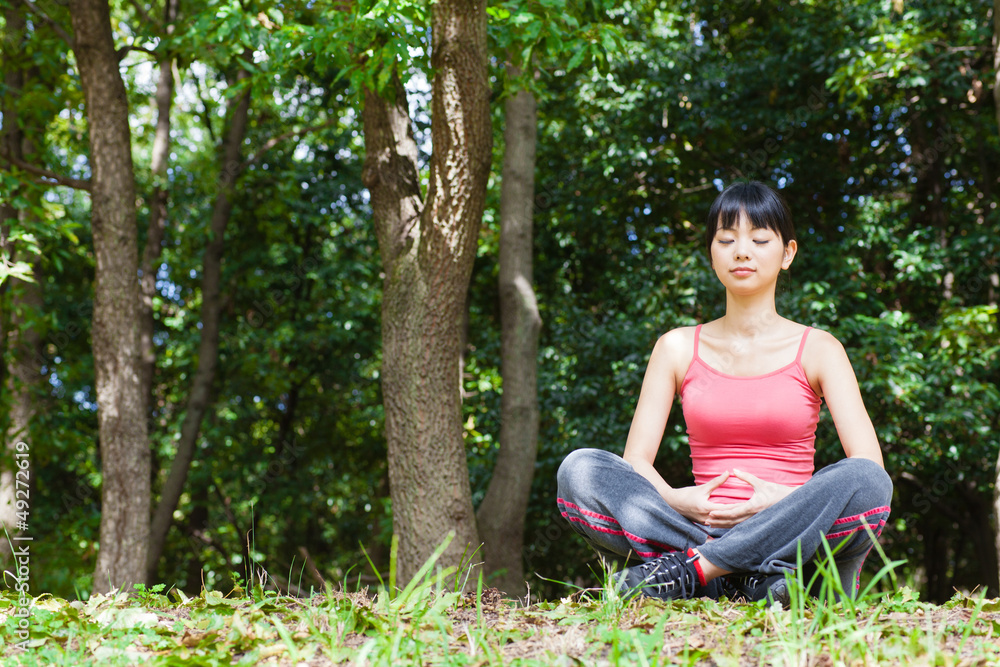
(694, 502)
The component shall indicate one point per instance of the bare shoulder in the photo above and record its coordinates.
(824, 356)
(675, 350)
(822, 343)
(677, 340)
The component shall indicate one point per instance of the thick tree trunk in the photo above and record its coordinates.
(211, 310)
(157, 214)
(124, 445)
(427, 253)
(501, 514)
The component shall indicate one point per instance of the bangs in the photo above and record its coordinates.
(762, 206)
(729, 218)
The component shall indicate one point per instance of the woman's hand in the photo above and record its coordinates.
(693, 501)
(764, 495)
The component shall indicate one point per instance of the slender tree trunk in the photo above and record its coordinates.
(10, 142)
(24, 380)
(197, 523)
(996, 60)
(211, 310)
(994, 279)
(157, 213)
(23, 385)
(427, 251)
(23, 373)
(124, 445)
(996, 106)
(501, 514)
(977, 534)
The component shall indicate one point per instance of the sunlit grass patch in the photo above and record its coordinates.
(438, 626)
(441, 619)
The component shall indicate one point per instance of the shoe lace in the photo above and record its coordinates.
(747, 587)
(672, 574)
(752, 580)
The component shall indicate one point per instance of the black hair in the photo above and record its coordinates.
(765, 208)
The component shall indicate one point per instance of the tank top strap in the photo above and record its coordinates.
(802, 345)
(697, 335)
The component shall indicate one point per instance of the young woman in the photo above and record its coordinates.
(751, 384)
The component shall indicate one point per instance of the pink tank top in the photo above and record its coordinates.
(762, 424)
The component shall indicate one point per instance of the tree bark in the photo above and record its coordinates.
(994, 280)
(501, 514)
(996, 106)
(24, 380)
(10, 143)
(157, 213)
(122, 424)
(23, 373)
(427, 250)
(211, 310)
(996, 60)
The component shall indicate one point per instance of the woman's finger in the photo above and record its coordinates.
(740, 512)
(715, 482)
(752, 480)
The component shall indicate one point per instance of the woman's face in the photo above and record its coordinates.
(746, 259)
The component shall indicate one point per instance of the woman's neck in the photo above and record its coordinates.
(749, 315)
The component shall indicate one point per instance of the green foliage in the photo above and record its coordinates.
(865, 114)
(741, 90)
(540, 35)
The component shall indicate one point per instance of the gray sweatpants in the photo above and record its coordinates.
(621, 515)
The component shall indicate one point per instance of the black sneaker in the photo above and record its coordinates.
(669, 577)
(756, 586)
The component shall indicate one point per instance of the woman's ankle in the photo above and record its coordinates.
(708, 569)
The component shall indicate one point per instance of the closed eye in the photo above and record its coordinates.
(762, 242)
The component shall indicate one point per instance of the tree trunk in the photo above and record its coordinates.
(211, 309)
(157, 213)
(976, 535)
(23, 373)
(996, 60)
(996, 106)
(122, 424)
(994, 279)
(24, 381)
(10, 142)
(427, 251)
(501, 514)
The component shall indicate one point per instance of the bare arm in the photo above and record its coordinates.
(839, 386)
(652, 411)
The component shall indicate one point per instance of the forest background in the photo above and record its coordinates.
(254, 224)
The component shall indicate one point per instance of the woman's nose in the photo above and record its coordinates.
(742, 249)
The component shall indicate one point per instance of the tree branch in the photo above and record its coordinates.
(54, 178)
(59, 30)
(274, 141)
(207, 115)
(123, 51)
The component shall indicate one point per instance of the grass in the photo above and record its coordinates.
(433, 625)
(431, 622)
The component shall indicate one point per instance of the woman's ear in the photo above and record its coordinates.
(790, 249)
